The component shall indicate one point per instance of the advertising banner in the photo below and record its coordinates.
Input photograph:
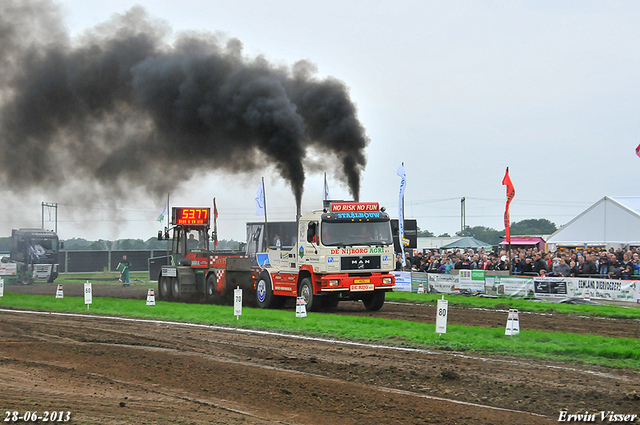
(443, 283)
(511, 286)
(403, 281)
(603, 289)
(472, 280)
(416, 279)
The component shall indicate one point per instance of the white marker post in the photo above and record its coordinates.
(237, 302)
(1, 287)
(87, 294)
(151, 297)
(59, 293)
(301, 308)
(513, 323)
(441, 318)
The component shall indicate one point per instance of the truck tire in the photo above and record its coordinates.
(212, 295)
(330, 303)
(164, 288)
(312, 301)
(374, 302)
(264, 292)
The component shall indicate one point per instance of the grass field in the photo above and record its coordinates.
(588, 349)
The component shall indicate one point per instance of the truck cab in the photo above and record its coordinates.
(343, 252)
(35, 252)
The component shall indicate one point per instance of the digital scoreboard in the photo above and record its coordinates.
(187, 216)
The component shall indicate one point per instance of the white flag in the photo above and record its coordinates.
(403, 185)
(326, 190)
(163, 213)
(260, 200)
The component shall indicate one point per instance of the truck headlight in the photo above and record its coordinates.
(387, 281)
(334, 282)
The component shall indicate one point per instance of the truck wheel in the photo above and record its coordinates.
(212, 296)
(312, 302)
(374, 302)
(330, 303)
(164, 288)
(264, 291)
(175, 288)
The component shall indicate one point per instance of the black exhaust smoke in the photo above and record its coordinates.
(122, 106)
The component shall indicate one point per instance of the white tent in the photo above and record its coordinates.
(611, 222)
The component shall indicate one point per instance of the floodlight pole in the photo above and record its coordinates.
(55, 207)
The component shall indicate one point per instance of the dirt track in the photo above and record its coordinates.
(119, 371)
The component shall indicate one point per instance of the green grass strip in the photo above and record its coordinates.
(588, 349)
(615, 311)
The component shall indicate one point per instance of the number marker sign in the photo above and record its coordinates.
(513, 323)
(441, 318)
(237, 302)
(301, 309)
(59, 293)
(1, 287)
(151, 297)
(87, 294)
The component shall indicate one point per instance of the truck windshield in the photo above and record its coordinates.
(46, 244)
(358, 233)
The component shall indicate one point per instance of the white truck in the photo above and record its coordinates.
(343, 252)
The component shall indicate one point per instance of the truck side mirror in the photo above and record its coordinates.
(160, 235)
(311, 231)
(61, 245)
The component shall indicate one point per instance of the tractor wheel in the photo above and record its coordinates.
(374, 302)
(311, 301)
(212, 295)
(25, 279)
(175, 289)
(164, 288)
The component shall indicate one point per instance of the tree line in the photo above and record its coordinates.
(529, 227)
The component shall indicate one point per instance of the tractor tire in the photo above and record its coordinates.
(312, 302)
(164, 288)
(375, 301)
(26, 279)
(212, 296)
(175, 289)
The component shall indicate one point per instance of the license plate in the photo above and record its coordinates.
(361, 280)
(361, 288)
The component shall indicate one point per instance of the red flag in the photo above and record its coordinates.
(215, 223)
(511, 192)
(638, 150)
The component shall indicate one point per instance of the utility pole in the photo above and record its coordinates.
(55, 207)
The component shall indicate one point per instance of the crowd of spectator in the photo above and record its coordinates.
(614, 264)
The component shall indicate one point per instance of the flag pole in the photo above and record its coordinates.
(266, 231)
(168, 240)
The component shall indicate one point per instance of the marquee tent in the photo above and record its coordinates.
(610, 222)
(466, 242)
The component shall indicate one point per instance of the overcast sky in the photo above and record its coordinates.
(458, 91)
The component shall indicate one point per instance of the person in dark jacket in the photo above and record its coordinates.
(589, 266)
